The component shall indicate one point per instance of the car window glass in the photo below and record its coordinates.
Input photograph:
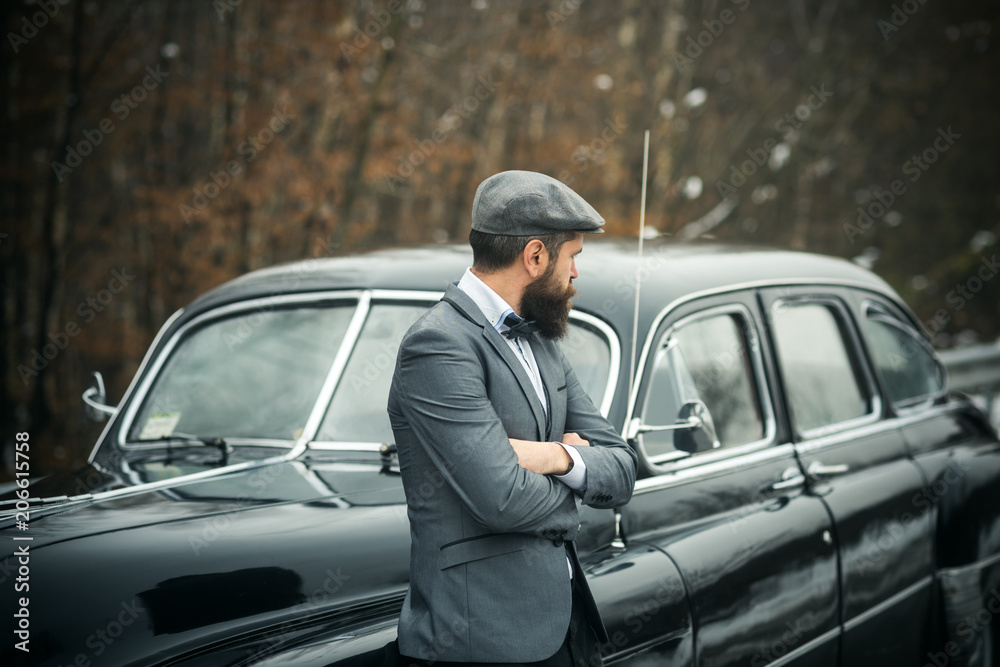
(908, 369)
(821, 383)
(588, 353)
(253, 375)
(706, 360)
(357, 412)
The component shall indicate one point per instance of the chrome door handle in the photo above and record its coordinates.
(819, 471)
(790, 479)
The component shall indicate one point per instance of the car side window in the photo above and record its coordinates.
(905, 361)
(823, 385)
(705, 359)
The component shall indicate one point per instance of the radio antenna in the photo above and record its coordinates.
(638, 266)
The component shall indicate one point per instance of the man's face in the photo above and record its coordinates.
(547, 299)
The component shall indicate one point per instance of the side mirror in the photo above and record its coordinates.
(700, 436)
(94, 398)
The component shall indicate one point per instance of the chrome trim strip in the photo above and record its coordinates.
(842, 437)
(888, 602)
(407, 295)
(347, 446)
(805, 648)
(322, 403)
(714, 469)
(135, 380)
(757, 362)
(215, 313)
(182, 480)
(611, 338)
(736, 287)
(978, 565)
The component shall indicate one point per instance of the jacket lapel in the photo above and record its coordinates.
(468, 308)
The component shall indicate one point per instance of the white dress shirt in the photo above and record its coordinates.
(496, 309)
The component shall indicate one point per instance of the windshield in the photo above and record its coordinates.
(357, 412)
(253, 375)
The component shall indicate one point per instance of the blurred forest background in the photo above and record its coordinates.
(154, 149)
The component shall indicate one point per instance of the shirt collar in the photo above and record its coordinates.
(492, 304)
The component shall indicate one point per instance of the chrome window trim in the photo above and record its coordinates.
(677, 477)
(347, 345)
(868, 306)
(867, 381)
(663, 462)
(134, 383)
(615, 360)
(347, 446)
(216, 313)
(406, 295)
(716, 291)
(890, 601)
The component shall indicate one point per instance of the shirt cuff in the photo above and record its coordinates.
(576, 478)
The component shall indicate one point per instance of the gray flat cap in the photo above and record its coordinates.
(522, 203)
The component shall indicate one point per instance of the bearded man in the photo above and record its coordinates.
(497, 442)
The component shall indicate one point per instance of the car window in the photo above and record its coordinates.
(588, 353)
(706, 360)
(822, 383)
(909, 371)
(357, 412)
(253, 375)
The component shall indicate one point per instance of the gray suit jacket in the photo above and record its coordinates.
(488, 574)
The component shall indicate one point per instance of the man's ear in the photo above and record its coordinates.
(535, 258)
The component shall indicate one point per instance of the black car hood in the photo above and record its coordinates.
(271, 546)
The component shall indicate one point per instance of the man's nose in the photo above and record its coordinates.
(573, 273)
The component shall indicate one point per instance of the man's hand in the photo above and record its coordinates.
(545, 458)
(574, 439)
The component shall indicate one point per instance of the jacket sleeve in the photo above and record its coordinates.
(611, 463)
(440, 393)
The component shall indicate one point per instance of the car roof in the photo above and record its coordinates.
(608, 267)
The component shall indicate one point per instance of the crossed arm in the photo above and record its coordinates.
(546, 458)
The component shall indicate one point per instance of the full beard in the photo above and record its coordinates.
(548, 303)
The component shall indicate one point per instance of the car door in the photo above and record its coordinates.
(856, 461)
(959, 456)
(755, 552)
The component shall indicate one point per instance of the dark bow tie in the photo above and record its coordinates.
(518, 326)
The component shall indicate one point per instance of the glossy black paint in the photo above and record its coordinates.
(306, 562)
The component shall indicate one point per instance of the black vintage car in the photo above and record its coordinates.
(810, 493)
